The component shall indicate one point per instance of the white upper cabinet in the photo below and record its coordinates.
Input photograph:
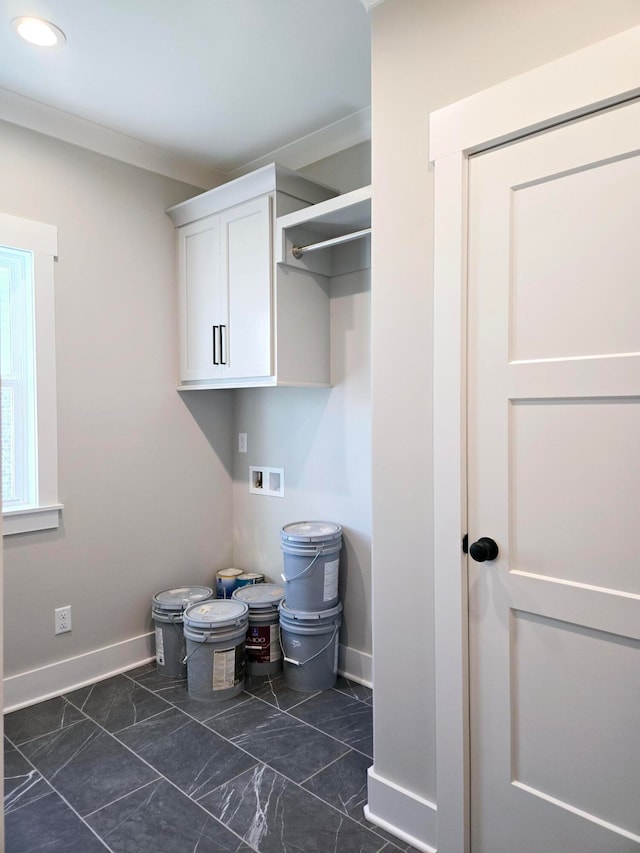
(243, 322)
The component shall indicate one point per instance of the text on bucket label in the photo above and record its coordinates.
(331, 580)
(159, 647)
(228, 667)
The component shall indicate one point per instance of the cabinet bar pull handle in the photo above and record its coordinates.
(213, 330)
(223, 346)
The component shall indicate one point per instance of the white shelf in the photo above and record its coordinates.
(346, 214)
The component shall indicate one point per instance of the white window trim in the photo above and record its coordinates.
(42, 240)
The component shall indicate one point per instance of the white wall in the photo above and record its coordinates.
(144, 472)
(322, 438)
(426, 54)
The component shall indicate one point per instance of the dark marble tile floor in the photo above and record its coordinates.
(134, 764)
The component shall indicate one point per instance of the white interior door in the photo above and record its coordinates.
(554, 479)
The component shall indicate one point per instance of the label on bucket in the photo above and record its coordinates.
(262, 644)
(331, 580)
(228, 667)
(159, 647)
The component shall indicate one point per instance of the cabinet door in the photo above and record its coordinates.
(200, 308)
(245, 236)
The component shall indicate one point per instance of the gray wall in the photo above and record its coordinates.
(426, 54)
(144, 473)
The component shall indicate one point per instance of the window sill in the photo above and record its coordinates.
(30, 519)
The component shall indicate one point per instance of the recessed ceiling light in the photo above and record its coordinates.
(38, 31)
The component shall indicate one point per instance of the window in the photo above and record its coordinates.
(28, 388)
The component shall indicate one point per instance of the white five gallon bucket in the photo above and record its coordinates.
(310, 646)
(226, 580)
(263, 654)
(311, 553)
(215, 632)
(166, 609)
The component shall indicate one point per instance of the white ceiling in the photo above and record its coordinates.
(223, 83)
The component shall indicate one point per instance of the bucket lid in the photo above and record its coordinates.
(229, 573)
(260, 595)
(216, 613)
(310, 531)
(181, 597)
(308, 616)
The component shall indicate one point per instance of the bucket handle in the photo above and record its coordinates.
(176, 621)
(196, 648)
(305, 570)
(317, 654)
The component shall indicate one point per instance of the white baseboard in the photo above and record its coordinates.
(401, 812)
(355, 665)
(45, 682)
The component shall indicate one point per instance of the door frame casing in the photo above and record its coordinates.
(596, 77)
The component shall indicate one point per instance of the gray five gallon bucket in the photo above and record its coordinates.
(215, 632)
(310, 646)
(262, 651)
(311, 553)
(166, 609)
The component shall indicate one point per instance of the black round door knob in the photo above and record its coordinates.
(484, 549)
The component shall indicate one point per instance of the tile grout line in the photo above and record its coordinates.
(298, 785)
(55, 791)
(159, 777)
(322, 769)
(123, 797)
(343, 742)
(297, 719)
(59, 729)
(266, 764)
(173, 784)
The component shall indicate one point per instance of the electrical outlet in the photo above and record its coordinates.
(62, 619)
(242, 442)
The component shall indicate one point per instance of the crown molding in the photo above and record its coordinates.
(369, 4)
(16, 109)
(315, 146)
(19, 110)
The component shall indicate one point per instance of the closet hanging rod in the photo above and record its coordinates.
(299, 251)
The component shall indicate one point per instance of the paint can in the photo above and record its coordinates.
(262, 650)
(215, 632)
(310, 647)
(226, 582)
(249, 578)
(167, 608)
(311, 554)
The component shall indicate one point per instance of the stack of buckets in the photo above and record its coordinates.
(311, 613)
(261, 627)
